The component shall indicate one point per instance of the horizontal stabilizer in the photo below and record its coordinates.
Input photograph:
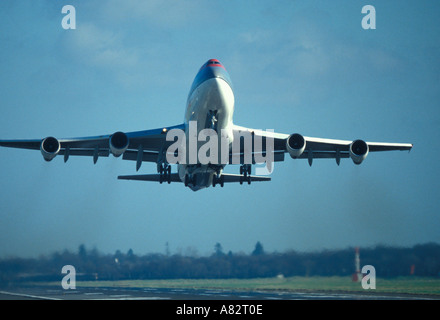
(151, 177)
(227, 177)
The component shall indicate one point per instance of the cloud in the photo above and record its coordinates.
(100, 48)
(310, 39)
(158, 13)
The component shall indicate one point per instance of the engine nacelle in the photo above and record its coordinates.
(49, 148)
(118, 143)
(295, 144)
(358, 151)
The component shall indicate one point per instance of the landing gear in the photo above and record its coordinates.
(245, 171)
(212, 117)
(189, 180)
(164, 170)
(218, 179)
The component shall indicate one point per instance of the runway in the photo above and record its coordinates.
(111, 293)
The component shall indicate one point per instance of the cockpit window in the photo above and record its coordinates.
(213, 62)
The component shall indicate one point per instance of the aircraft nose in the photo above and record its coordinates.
(211, 69)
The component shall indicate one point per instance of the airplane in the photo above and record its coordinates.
(209, 108)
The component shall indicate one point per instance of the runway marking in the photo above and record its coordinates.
(92, 293)
(135, 298)
(175, 293)
(28, 296)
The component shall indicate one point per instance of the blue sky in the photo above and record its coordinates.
(297, 66)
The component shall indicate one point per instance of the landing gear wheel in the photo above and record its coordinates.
(212, 115)
(164, 170)
(169, 174)
(218, 179)
(245, 171)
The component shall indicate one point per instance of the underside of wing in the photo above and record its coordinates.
(21, 144)
(250, 146)
(140, 146)
(301, 147)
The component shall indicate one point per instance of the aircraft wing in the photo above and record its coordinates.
(303, 147)
(147, 145)
(151, 146)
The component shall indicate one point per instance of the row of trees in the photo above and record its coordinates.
(419, 260)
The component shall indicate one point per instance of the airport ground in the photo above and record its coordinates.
(249, 298)
(292, 288)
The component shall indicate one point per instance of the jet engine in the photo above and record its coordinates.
(118, 143)
(358, 151)
(295, 144)
(49, 148)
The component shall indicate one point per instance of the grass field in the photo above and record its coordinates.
(410, 285)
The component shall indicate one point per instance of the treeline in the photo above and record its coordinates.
(419, 260)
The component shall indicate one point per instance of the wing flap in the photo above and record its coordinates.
(239, 158)
(324, 155)
(147, 156)
(85, 152)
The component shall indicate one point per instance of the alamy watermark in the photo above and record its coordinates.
(69, 280)
(207, 147)
(369, 278)
(69, 20)
(369, 20)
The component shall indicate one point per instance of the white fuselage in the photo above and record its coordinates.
(210, 105)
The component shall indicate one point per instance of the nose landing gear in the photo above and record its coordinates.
(212, 117)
